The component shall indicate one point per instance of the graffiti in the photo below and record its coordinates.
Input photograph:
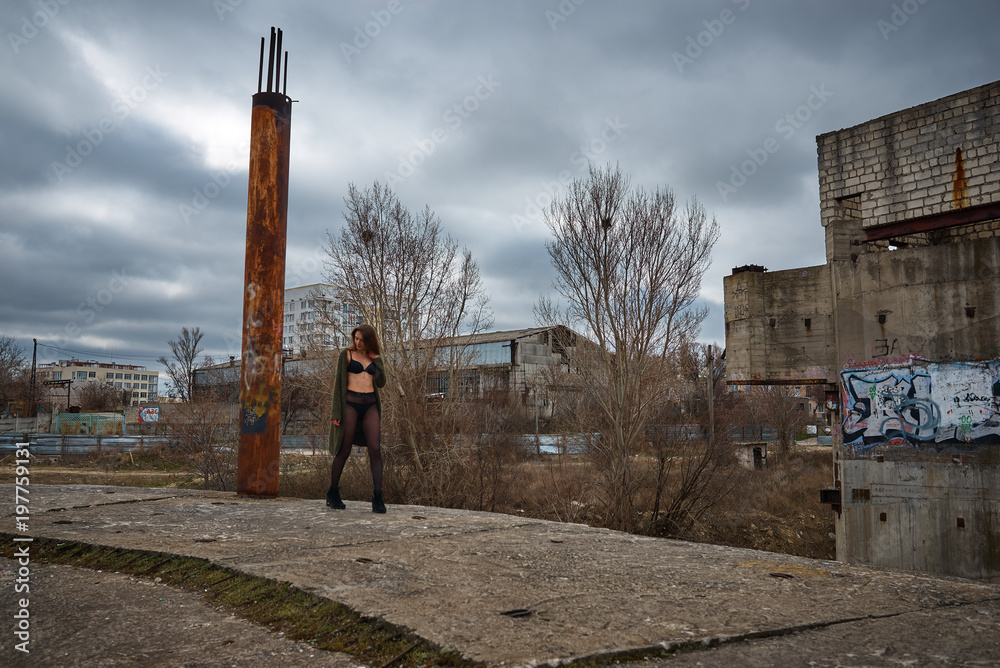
(965, 421)
(920, 404)
(739, 305)
(970, 397)
(254, 418)
(883, 348)
(881, 363)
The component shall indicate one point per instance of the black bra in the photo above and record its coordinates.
(355, 367)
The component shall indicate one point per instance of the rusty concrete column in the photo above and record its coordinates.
(264, 282)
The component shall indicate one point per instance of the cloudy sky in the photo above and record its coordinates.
(124, 133)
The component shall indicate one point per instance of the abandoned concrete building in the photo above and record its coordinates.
(900, 331)
(526, 362)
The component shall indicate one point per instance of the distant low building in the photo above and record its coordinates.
(141, 384)
(519, 360)
(523, 361)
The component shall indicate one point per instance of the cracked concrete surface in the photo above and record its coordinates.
(449, 574)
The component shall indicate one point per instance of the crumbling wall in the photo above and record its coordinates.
(779, 326)
(932, 158)
(916, 313)
(908, 312)
(936, 517)
(939, 303)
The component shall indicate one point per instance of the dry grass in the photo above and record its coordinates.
(776, 509)
(143, 467)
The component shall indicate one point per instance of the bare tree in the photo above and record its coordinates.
(207, 433)
(410, 281)
(306, 389)
(692, 460)
(185, 355)
(629, 265)
(13, 369)
(100, 397)
(778, 407)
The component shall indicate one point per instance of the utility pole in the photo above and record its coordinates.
(711, 399)
(34, 364)
(264, 276)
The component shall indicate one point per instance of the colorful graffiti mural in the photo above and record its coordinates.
(920, 404)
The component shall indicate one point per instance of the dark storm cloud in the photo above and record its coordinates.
(695, 89)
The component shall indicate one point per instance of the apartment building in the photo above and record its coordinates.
(315, 317)
(142, 383)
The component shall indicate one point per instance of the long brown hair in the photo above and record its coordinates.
(370, 338)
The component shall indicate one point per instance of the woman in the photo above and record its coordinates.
(357, 411)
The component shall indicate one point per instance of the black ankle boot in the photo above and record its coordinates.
(333, 498)
(378, 506)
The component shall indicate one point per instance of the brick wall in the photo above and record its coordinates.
(929, 159)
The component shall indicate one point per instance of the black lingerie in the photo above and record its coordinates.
(360, 401)
(355, 367)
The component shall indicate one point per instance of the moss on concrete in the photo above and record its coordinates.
(298, 614)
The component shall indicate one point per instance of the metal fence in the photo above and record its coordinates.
(90, 444)
(105, 424)
(751, 433)
(77, 444)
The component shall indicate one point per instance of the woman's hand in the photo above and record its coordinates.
(336, 423)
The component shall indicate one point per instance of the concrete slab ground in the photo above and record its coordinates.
(88, 618)
(448, 575)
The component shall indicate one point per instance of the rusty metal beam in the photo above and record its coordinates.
(976, 214)
(264, 293)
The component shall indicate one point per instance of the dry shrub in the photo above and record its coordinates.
(776, 509)
(567, 488)
(490, 471)
(451, 453)
(473, 458)
(304, 476)
(207, 433)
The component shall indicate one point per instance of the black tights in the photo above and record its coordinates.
(372, 428)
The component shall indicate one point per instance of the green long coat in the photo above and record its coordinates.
(340, 403)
